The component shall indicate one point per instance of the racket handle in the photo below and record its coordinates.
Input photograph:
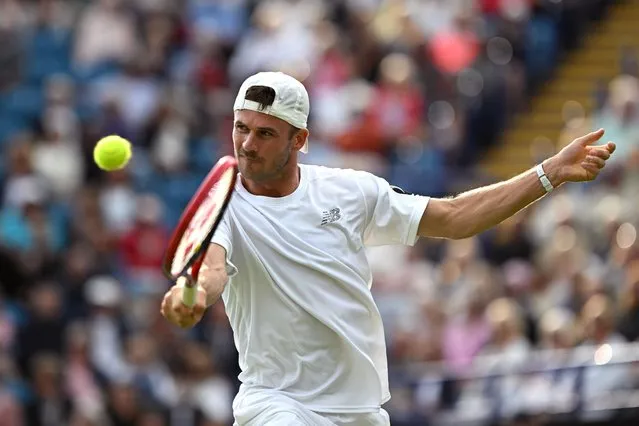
(189, 292)
(188, 295)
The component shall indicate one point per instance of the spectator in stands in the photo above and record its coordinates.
(559, 336)
(80, 264)
(100, 18)
(118, 203)
(628, 64)
(123, 405)
(620, 116)
(111, 120)
(13, 392)
(222, 20)
(218, 337)
(506, 351)
(558, 331)
(283, 34)
(142, 247)
(629, 304)
(50, 404)
(601, 383)
(44, 329)
(81, 382)
(467, 332)
(599, 321)
(212, 393)
(136, 90)
(10, 410)
(167, 136)
(8, 326)
(58, 156)
(27, 223)
(21, 182)
(13, 15)
(508, 241)
(88, 225)
(508, 340)
(106, 329)
(330, 81)
(398, 101)
(150, 376)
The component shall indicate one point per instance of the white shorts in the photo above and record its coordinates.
(272, 409)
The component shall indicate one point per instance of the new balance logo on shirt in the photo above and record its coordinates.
(330, 216)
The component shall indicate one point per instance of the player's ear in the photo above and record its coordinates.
(300, 138)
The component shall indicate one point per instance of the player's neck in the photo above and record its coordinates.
(280, 187)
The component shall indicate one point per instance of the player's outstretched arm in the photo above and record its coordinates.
(480, 209)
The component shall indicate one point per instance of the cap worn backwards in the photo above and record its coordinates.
(291, 102)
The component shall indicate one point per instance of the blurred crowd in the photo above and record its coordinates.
(551, 294)
(413, 90)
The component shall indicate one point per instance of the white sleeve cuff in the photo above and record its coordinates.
(419, 209)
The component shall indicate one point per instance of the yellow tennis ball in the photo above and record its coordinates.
(112, 153)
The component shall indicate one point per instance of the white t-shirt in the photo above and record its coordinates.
(298, 297)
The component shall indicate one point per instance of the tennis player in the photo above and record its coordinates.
(289, 262)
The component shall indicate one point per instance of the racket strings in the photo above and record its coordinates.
(202, 223)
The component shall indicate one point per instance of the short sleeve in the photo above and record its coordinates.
(391, 216)
(223, 237)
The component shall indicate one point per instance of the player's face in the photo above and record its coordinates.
(263, 145)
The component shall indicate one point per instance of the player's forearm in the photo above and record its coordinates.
(213, 276)
(213, 281)
(477, 210)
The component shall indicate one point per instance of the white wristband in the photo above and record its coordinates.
(544, 179)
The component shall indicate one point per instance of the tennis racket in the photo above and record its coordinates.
(193, 233)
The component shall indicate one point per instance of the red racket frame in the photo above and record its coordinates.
(195, 261)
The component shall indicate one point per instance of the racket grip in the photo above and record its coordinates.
(189, 292)
(188, 295)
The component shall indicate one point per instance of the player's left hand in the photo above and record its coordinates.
(581, 160)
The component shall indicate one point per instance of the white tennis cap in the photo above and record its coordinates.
(291, 99)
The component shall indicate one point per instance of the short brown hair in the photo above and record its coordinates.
(265, 96)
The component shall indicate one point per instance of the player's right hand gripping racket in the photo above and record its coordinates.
(201, 217)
